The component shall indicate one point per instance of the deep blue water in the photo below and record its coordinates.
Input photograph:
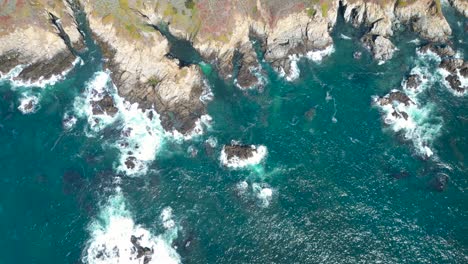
(345, 187)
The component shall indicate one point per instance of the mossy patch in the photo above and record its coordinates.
(153, 81)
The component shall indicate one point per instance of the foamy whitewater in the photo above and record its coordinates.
(261, 191)
(314, 55)
(422, 126)
(111, 237)
(259, 153)
(29, 104)
(141, 136)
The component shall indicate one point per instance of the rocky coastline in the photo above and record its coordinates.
(223, 33)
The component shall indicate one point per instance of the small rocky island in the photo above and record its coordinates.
(45, 39)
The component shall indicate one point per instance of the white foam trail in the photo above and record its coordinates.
(343, 36)
(111, 234)
(318, 55)
(29, 104)
(259, 153)
(294, 69)
(207, 95)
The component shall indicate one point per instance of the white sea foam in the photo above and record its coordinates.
(166, 218)
(207, 95)
(263, 192)
(140, 140)
(343, 36)
(257, 72)
(314, 55)
(419, 126)
(318, 55)
(111, 234)
(141, 136)
(69, 121)
(259, 153)
(95, 90)
(29, 104)
(294, 69)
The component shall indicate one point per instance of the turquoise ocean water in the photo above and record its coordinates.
(344, 186)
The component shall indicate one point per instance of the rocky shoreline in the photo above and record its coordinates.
(137, 54)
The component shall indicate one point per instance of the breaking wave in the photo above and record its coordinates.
(115, 238)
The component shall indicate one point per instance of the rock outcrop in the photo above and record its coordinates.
(460, 5)
(424, 17)
(140, 69)
(222, 32)
(42, 37)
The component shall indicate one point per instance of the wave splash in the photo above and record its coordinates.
(115, 238)
(406, 112)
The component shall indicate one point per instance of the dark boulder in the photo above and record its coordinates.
(395, 96)
(455, 83)
(105, 106)
(130, 162)
(441, 50)
(413, 81)
(451, 65)
(239, 151)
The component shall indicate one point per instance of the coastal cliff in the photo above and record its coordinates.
(45, 39)
(41, 36)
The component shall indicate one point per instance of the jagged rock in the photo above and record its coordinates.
(130, 162)
(455, 83)
(451, 64)
(441, 50)
(240, 151)
(395, 96)
(248, 63)
(144, 74)
(145, 252)
(413, 81)
(381, 48)
(425, 18)
(104, 106)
